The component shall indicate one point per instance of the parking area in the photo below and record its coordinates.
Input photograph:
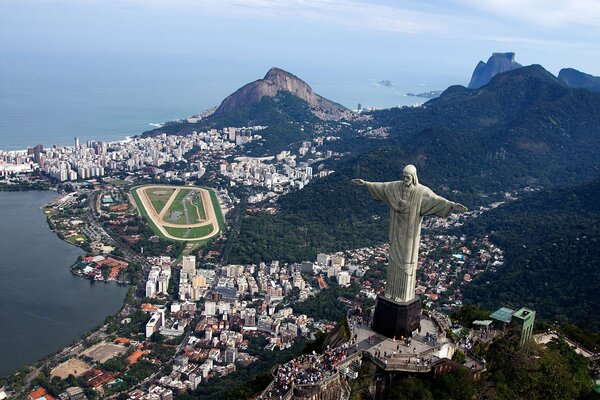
(104, 351)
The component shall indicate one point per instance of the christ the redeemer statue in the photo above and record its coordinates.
(409, 201)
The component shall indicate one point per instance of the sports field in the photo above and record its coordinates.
(180, 213)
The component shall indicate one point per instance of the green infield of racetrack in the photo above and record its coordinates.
(159, 201)
(198, 205)
(178, 206)
(180, 232)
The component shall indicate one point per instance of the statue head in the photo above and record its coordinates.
(410, 175)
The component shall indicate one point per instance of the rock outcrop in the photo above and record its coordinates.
(579, 80)
(275, 81)
(496, 64)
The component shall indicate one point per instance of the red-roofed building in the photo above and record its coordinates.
(135, 356)
(40, 394)
(114, 272)
(321, 282)
(149, 307)
(96, 378)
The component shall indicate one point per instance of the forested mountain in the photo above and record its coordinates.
(287, 117)
(578, 79)
(552, 244)
(281, 101)
(525, 127)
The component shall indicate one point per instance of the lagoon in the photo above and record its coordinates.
(43, 307)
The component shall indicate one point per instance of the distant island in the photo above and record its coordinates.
(432, 94)
(385, 82)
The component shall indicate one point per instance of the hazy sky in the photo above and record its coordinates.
(324, 42)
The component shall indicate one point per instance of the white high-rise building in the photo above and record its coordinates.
(189, 264)
(210, 308)
(150, 288)
(154, 323)
(343, 278)
(338, 261)
(195, 380)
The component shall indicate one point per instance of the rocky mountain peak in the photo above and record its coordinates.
(274, 72)
(276, 80)
(496, 64)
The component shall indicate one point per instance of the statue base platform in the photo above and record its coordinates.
(394, 319)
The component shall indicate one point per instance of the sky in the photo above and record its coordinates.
(331, 44)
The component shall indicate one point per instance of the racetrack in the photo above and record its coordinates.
(158, 219)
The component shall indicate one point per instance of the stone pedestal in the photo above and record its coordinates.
(396, 319)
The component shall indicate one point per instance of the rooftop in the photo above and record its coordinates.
(504, 314)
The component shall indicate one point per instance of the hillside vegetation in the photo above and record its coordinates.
(552, 244)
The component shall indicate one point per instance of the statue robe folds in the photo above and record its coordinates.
(408, 205)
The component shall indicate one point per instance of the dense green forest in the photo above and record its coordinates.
(524, 128)
(552, 244)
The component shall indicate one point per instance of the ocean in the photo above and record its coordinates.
(51, 100)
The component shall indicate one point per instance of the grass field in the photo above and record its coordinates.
(118, 182)
(159, 198)
(177, 207)
(183, 201)
(190, 232)
(197, 209)
(77, 239)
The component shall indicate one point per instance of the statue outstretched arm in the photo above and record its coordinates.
(459, 207)
(432, 204)
(381, 191)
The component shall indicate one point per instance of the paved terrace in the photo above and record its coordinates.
(416, 354)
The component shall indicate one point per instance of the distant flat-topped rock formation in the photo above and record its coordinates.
(579, 80)
(496, 64)
(275, 81)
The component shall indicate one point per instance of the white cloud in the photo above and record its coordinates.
(512, 21)
(348, 13)
(546, 13)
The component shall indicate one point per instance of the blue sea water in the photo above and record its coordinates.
(50, 99)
